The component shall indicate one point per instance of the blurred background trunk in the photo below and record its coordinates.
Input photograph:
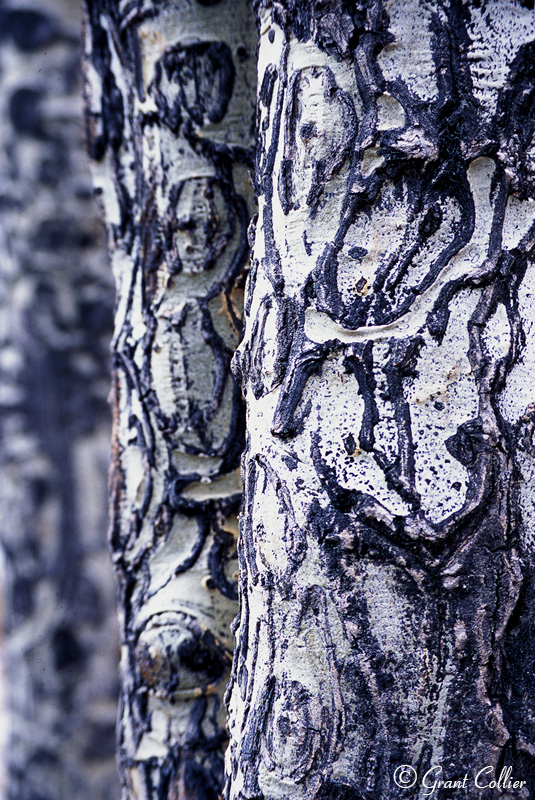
(60, 647)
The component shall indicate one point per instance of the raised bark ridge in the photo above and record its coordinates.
(170, 111)
(386, 589)
(60, 651)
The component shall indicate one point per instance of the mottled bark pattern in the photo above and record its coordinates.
(60, 652)
(387, 580)
(170, 110)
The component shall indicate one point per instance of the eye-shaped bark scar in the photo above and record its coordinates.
(319, 131)
(203, 74)
(203, 221)
(178, 657)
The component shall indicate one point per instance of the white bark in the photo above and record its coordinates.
(386, 587)
(170, 104)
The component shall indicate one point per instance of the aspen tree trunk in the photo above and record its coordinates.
(387, 602)
(60, 641)
(170, 98)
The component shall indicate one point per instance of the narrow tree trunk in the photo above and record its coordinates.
(170, 113)
(387, 580)
(60, 651)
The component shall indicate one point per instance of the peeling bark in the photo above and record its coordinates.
(60, 651)
(386, 556)
(170, 115)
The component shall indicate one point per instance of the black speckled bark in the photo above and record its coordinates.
(60, 648)
(170, 116)
(387, 581)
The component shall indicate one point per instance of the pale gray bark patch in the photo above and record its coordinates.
(170, 118)
(60, 652)
(386, 563)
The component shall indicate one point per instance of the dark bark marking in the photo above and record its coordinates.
(204, 74)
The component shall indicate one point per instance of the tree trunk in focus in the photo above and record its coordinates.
(60, 648)
(387, 595)
(170, 116)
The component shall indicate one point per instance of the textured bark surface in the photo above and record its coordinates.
(60, 652)
(170, 111)
(386, 557)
